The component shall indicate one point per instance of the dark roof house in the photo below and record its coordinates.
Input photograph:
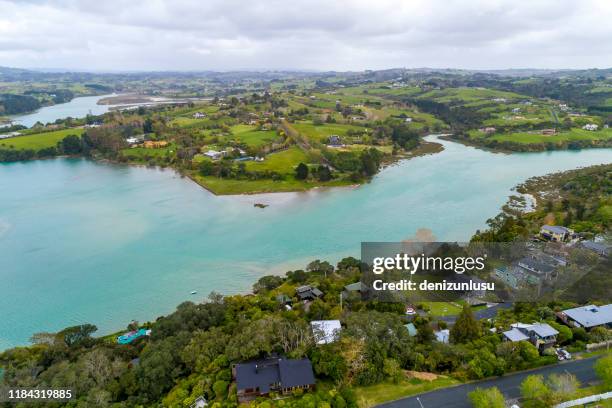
(259, 378)
(307, 292)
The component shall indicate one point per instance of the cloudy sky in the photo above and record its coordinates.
(105, 35)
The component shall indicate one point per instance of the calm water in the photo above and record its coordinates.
(76, 108)
(87, 242)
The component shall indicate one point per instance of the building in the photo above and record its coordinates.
(600, 248)
(556, 233)
(135, 139)
(590, 126)
(442, 336)
(408, 120)
(199, 115)
(307, 292)
(127, 338)
(326, 331)
(334, 141)
(489, 129)
(199, 402)
(259, 378)
(516, 110)
(548, 132)
(588, 316)
(412, 330)
(541, 335)
(357, 288)
(155, 144)
(214, 155)
(536, 267)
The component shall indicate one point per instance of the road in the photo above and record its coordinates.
(456, 397)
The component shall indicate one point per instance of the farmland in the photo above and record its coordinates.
(38, 141)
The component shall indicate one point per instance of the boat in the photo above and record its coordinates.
(193, 292)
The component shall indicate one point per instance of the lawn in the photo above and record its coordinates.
(376, 394)
(141, 153)
(232, 186)
(321, 133)
(252, 137)
(573, 134)
(442, 308)
(39, 140)
(283, 162)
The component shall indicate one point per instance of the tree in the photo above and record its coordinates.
(563, 386)
(466, 329)
(536, 391)
(77, 335)
(71, 144)
(603, 368)
(267, 282)
(487, 398)
(301, 172)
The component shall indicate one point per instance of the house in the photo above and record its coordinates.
(283, 299)
(259, 378)
(516, 110)
(334, 141)
(135, 139)
(600, 248)
(548, 132)
(307, 292)
(199, 115)
(541, 335)
(488, 129)
(442, 336)
(127, 338)
(213, 154)
(536, 267)
(155, 144)
(357, 287)
(590, 126)
(412, 330)
(556, 233)
(588, 316)
(408, 120)
(199, 402)
(325, 331)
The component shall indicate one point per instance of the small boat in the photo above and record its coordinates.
(193, 292)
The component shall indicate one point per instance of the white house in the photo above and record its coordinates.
(326, 331)
(199, 115)
(442, 336)
(590, 126)
(213, 154)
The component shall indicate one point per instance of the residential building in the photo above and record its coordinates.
(259, 378)
(412, 330)
(408, 120)
(214, 155)
(588, 316)
(442, 336)
(334, 140)
(199, 115)
(155, 144)
(307, 292)
(199, 402)
(540, 269)
(359, 288)
(590, 126)
(127, 338)
(548, 132)
(541, 335)
(488, 129)
(556, 233)
(600, 248)
(326, 331)
(135, 139)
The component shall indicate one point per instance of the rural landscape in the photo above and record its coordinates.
(313, 204)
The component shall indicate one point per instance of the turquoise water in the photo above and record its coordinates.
(76, 108)
(89, 242)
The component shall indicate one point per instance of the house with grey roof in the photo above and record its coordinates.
(600, 248)
(541, 335)
(308, 292)
(588, 316)
(556, 233)
(276, 374)
(536, 267)
(358, 289)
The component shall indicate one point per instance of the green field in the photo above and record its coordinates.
(321, 133)
(252, 137)
(141, 153)
(372, 395)
(281, 162)
(233, 186)
(468, 95)
(573, 134)
(39, 140)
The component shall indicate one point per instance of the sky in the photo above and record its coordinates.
(320, 35)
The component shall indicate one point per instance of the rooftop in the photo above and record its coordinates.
(591, 316)
(557, 229)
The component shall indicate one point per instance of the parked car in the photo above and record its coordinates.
(566, 354)
(560, 355)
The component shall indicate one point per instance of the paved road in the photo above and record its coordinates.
(456, 397)
(480, 314)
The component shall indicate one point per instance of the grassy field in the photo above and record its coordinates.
(232, 186)
(141, 153)
(573, 134)
(442, 308)
(470, 95)
(376, 394)
(321, 133)
(282, 162)
(39, 140)
(252, 137)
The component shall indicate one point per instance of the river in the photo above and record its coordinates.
(82, 241)
(76, 108)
